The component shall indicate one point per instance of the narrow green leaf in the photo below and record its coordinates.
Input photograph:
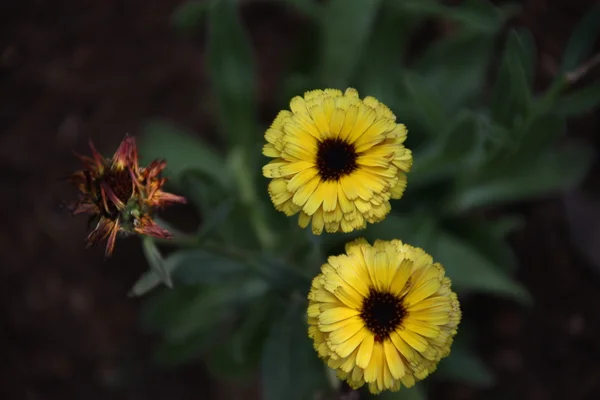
(199, 266)
(147, 282)
(213, 221)
(183, 152)
(427, 103)
(345, 29)
(542, 133)
(189, 15)
(177, 353)
(290, 367)
(380, 68)
(579, 101)
(417, 229)
(549, 172)
(526, 52)
(477, 15)
(156, 261)
(511, 96)
(211, 306)
(162, 309)
(416, 392)
(581, 43)
(471, 272)
(449, 154)
(456, 67)
(463, 365)
(232, 72)
(284, 277)
(488, 238)
(238, 356)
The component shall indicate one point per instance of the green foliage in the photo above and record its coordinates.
(463, 365)
(582, 41)
(416, 392)
(345, 27)
(290, 366)
(185, 152)
(481, 138)
(232, 73)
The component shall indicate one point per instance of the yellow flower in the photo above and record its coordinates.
(383, 314)
(338, 160)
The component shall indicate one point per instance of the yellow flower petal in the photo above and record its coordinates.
(415, 341)
(393, 360)
(375, 367)
(334, 315)
(346, 348)
(365, 351)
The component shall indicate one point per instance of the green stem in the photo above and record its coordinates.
(240, 165)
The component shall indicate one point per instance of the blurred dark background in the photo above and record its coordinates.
(77, 69)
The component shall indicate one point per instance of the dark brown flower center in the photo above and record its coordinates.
(120, 183)
(382, 312)
(335, 158)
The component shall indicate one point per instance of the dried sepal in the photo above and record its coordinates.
(120, 195)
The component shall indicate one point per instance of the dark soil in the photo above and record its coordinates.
(73, 69)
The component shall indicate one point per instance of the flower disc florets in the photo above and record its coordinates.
(119, 195)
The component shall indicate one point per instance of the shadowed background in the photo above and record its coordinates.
(73, 70)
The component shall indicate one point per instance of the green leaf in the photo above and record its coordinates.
(215, 220)
(380, 68)
(155, 259)
(581, 43)
(526, 52)
(462, 365)
(472, 272)
(147, 282)
(478, 15)
(487, 237)
(284, 277)
(456, 67)
(345, 28)
(547, 173)
(188, 350)
(183, 152)
(511, 96)
(448, 155)
(540, 135)
(579, 101)
(427, 103)
(199, 266)
(232, 72)
(160, 310)
(211, 306)
(417, 229)
(416, 392)
(189, 15)
(238, 356)
(290, 367)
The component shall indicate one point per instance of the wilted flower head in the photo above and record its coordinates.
(119, 195)
(338, 160)
(382, 314)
